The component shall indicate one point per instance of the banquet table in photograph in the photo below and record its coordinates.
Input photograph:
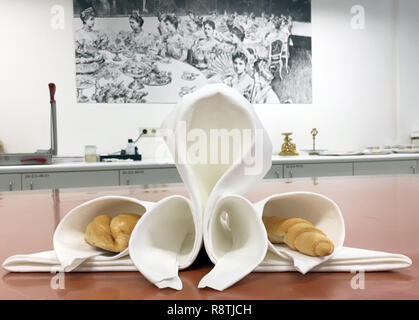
(184, 78)
(380, 212)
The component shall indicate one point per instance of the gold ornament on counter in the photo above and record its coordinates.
(314, 133)
(288, 148)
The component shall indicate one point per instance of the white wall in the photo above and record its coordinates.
(354, 86)
(408, 40)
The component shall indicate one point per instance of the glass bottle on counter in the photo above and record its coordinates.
(90, 153)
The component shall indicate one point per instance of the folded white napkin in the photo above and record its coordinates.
(166, 239)
(47, 261)
(325, 214)
(169, 239)
(321, 211)
(236, 241)
(346, 260)
(207, 125)
(69, 245)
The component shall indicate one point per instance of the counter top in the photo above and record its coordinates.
(381, 213)
(62, 164)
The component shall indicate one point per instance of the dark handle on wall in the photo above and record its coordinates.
(40, 160)
(52, 89)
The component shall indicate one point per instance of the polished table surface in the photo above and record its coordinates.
(381, 213)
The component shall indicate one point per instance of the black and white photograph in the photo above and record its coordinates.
(157, 51)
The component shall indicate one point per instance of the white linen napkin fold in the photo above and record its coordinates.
(237, 241)
(194, 133)
(47, 261)
(325, 215)
(71, 250)
(346, 260)
(321, 211)
(69, 244)
(166, 239)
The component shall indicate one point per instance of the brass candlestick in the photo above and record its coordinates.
(314, 133)
(288, 148)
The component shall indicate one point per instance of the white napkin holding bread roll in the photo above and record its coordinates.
(72, 253)
(70, 246)
(325, 215)
(319, 210)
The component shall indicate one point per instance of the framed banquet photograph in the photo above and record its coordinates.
(157, 51)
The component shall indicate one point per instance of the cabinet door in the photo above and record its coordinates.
(10, 182)
(57, 180)
(149, 176)
(318, 170)
(276, 172)
(385, 167)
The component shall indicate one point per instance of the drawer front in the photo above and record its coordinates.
(149, 176)
(276, 172)
(10, 182)
(385, 167)
(57, 180)
(318, 170)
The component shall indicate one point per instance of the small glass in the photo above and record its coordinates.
(90, 153)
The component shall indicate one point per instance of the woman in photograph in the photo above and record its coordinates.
(278, 42)
(173, 40)
(234, 43)
(138, 39)
(237, 35)
(189, 25)
(161, 27)
(86, 35)
(136, 23)
(205, 49)
(241, 80)
(262, 91)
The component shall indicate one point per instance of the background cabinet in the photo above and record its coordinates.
(55, 180)
(318, 170)
(149, 176)
(385, 167)
(276, 172)
(10, 182)
(167, 174)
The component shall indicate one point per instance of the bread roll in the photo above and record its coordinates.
(111, 234)
(299, 234)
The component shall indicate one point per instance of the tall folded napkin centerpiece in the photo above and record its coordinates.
(194, 133)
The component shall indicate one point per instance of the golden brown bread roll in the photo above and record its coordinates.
(299, 234)
(111, 234)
